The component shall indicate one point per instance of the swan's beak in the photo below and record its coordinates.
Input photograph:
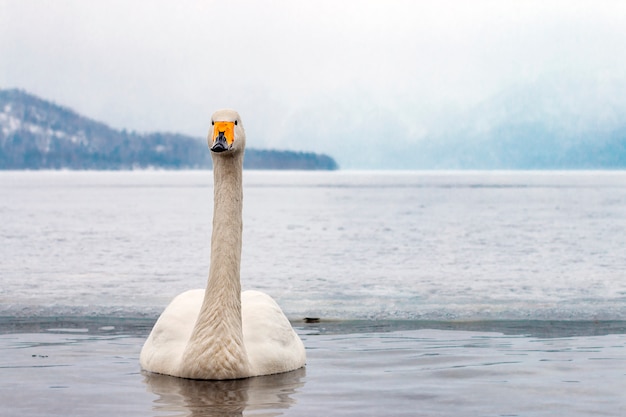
(223, 136)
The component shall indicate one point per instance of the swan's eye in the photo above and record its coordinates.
(212, 123)
(235, 122)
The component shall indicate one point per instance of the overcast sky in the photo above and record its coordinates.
(339, 77)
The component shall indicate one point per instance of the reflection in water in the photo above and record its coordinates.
(187, 397)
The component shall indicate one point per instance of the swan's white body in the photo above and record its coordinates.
(220, 332)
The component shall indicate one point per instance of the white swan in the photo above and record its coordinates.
(220, 332)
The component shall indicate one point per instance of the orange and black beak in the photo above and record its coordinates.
(223, 136)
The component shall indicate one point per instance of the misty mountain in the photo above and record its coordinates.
(550, 124)
(38, 134)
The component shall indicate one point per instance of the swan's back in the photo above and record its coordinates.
(271, 343)
(162, 352)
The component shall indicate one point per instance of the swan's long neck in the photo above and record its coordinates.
(216, 348)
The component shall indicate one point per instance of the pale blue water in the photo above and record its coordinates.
(440, 293)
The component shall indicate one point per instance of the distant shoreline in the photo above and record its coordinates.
(38, 134)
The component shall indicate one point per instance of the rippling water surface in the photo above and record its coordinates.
(90, 368)
(438, 293)
(333, 245)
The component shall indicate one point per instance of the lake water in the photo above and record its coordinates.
(439, 293)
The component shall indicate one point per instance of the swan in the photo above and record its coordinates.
(220, 332)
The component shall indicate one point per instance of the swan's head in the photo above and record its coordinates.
(226, 134)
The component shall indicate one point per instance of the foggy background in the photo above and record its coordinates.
(375, 84)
